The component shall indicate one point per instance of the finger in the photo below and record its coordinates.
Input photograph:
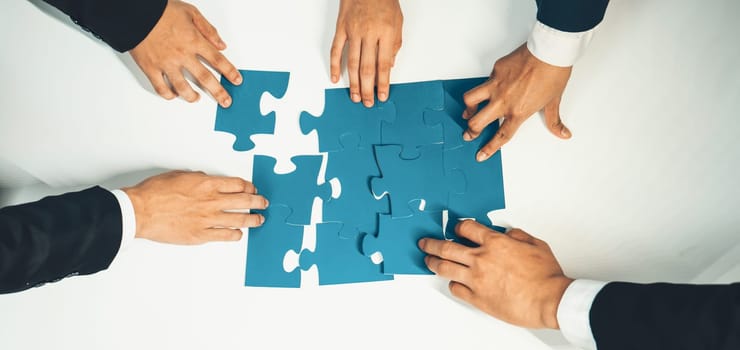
(234, 185)
(521, 236)
(241, 201)
(447, 250)
(208, 30)
(237, 220)
(367, 71)
(474, 231)
(461, 291)
(181, 86)
(222, 235)
(505, 132)
(353, 69)
(207, 81)
(474, 97)
(448, 269)
(219, 62)
(337, 48)
(494, 110)
(160, 85)
(553, 121)
(386, 56)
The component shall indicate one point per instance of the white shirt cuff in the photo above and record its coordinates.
(128, 218)
(556, 47)
(574, 310)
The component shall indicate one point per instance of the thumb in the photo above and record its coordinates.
(553, 121)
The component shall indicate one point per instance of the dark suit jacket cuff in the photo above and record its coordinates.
(121, 24)
(571, 15)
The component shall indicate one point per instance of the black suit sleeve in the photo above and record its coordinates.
(666, 316)
(571, 15)
(122, 24)
(73, 234)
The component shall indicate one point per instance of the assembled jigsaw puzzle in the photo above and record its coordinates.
(394, 170)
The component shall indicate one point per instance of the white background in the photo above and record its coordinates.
(646, 190)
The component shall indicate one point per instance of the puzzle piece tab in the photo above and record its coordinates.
(397, 241)
(244, 117)
(408, 128)
(266, 246)
(343, 117)
(356, 206)
(295, 190)
(339, 259)
(406, 180)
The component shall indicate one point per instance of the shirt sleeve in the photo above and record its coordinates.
(574, 312)
(557, 47)
(128, 218)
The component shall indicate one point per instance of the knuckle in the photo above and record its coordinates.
(367, 71)
(353, 62)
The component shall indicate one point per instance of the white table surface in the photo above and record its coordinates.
(646, 190)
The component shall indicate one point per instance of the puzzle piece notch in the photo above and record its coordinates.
(353, 167)
(266, 247)
(397, 240)
(244, 117)
(342, 116)
(339, 259)
(295, 190)
(450, 119)
(408, 129)
(407, 180)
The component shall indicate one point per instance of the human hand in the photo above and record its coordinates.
(372, 30)
(178, 43)
(188, 208)
(513, 277)
(520, 85)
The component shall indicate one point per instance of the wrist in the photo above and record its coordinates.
(555, 292)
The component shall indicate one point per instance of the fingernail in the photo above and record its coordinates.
(267, 203)
(334, 78)
(467, 136)
(355, 97)
(227, 102)
(422, 243)
(465, 114)
(222, 44)
(368, 103)
(565, 132)
(255, 190)
(262, 219)
(482, 156)
(238, 80)
(382, 96)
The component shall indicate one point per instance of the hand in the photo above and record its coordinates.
(178, 42)
(193, 208)
(520, 85)
(513, 277)
(373, 30)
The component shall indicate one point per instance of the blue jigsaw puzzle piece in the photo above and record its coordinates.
(339, 259)
(450, 119)
(484, 181)
(266, 247)
(295, 190)
(244, 118)
(342, 116)
(409, 128)
(397, 240)
(356, 206)
(406, 180)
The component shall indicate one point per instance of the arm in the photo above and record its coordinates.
(80, 233)
(534, 76)
(666, 316)
(516, 278)
(72, 234)
(164, 37)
